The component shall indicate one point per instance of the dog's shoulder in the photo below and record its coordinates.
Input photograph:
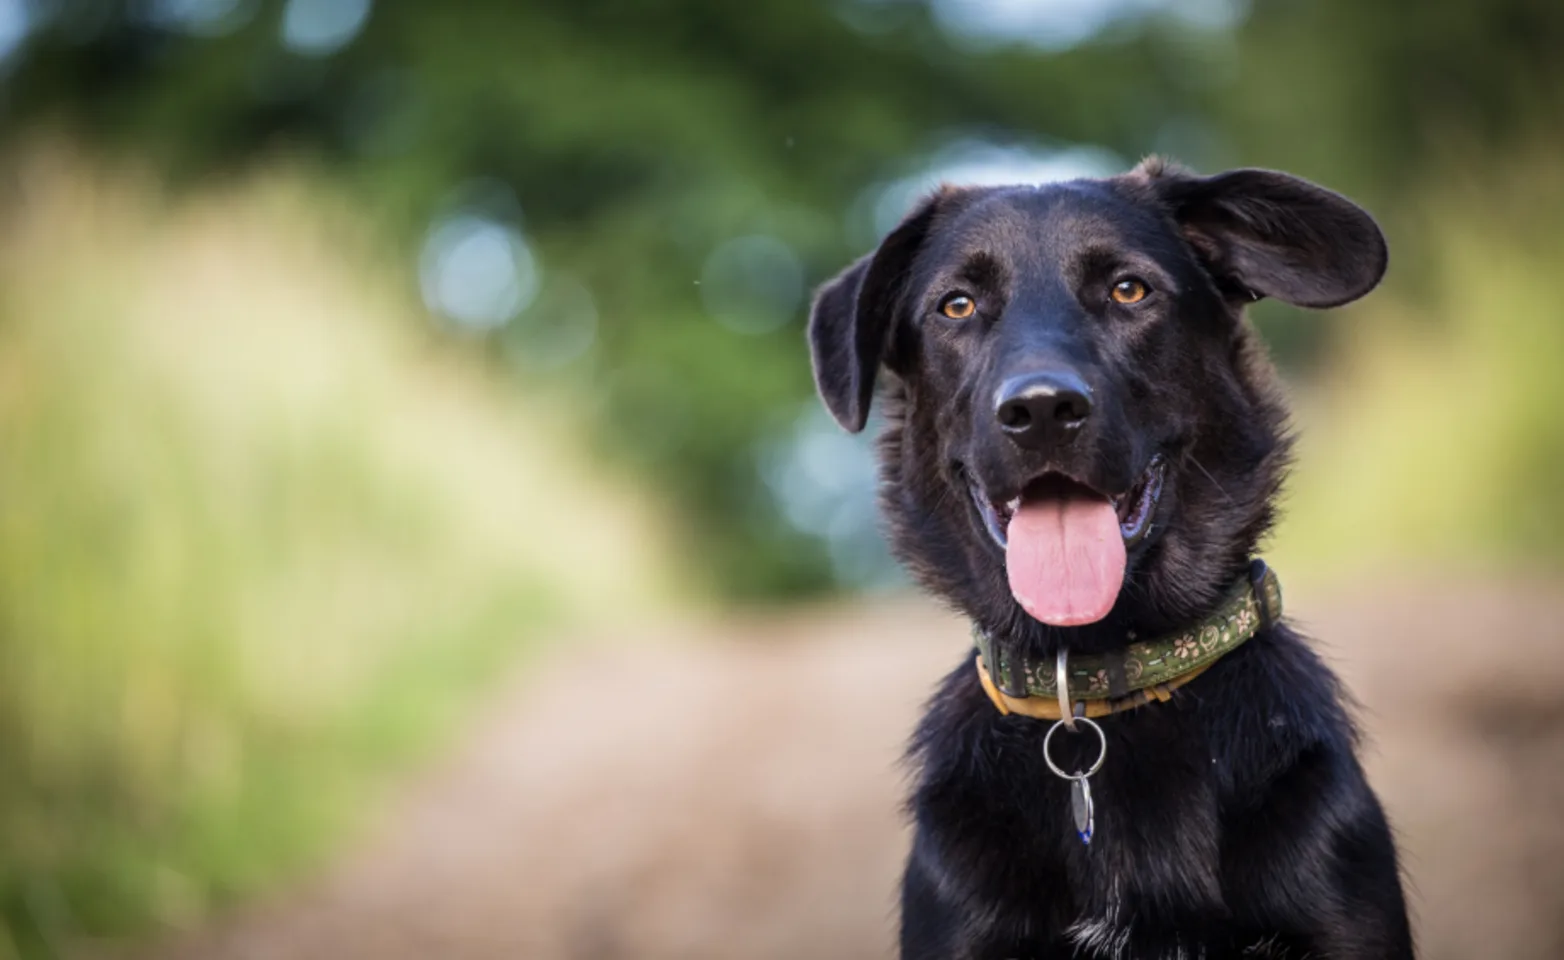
(1268, 704)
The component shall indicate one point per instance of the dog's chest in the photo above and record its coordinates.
(1156, 844)
(1184, 798)
(1150, 876)
(1154, 863)
(1103, 939)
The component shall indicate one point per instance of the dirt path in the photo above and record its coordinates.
(737, 797)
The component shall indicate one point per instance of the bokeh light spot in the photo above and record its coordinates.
(971, 162)
(15, 22)
(1061, 24)
(477, 272)
(318, 28)
(824, 482)
(200, 18)
(559, 327)
(752, 284)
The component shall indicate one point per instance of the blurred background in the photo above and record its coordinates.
(418, 536)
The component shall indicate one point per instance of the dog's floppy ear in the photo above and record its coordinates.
(1275, 235)
(852, 315)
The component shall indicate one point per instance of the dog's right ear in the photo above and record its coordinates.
(850, 322)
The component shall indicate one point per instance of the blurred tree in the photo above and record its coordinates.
(637, 138)
(1376, 97)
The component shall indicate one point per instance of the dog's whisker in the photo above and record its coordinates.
(1199, 466)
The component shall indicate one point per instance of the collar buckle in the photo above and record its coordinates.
(1267, 593)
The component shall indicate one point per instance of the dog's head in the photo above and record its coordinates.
(1082, 427)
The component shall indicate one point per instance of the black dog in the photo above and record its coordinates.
(1084, 441)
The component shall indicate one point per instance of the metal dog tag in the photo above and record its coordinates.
(1081, 807)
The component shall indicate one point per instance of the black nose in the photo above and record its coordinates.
(1037, 410)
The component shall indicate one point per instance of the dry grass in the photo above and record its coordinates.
(1437, 440)
(260, 539)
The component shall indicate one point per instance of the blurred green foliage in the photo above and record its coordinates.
(639, 137)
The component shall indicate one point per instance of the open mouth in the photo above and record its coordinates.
(1067, 545)
(1134, 507)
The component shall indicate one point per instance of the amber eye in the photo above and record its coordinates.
(1129, 290)
(958, 306)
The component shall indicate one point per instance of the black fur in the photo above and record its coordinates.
(1233, 821)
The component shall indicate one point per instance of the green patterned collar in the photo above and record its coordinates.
(1253, 603)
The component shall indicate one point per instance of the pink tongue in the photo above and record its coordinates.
(1065, 558)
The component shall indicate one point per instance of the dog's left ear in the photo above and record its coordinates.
(1275, 235)
(850, 322)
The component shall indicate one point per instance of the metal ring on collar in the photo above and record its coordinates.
(1102, 751)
